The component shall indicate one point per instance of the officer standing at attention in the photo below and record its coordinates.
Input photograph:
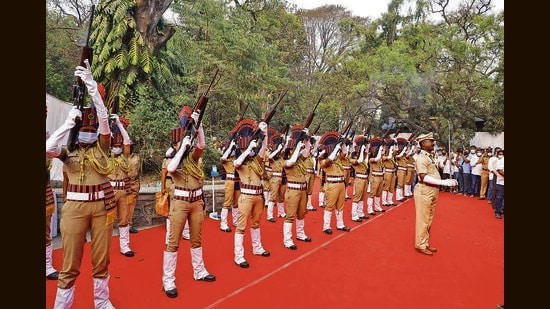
(89, 200)
(187, 205)
(335, 187)
(296, 194)
(426, 193)
(231, 187)
(250, 166)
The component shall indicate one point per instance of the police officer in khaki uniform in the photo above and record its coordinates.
(120, 181)
(309, 162)
(335, 187)
(296, 194)
(135, 184)
(359, 162)
(426, 193)
(277, 182)
(89, 198)
(231, 187)
(250, 167)
(51, 272)
(376, 176)
(187, 205)
(401, 173)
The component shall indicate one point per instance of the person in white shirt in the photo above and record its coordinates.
(475, 162)
(492, 179)
(499, 196)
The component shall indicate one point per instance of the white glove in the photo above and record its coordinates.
(335, 152)
(186, 142)
(252, 145)
(287, 141)
(195, 117)
(232, 144)
(300, 146)
(449, 182)
(115, 118)
(363, 148)
(74, 113)
(263, 126)
(306, 131)
(322, 153)
(86, 76)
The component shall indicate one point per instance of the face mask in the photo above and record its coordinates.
(472, 151)
(478, 154)
(490, 154)
(87, 137)
(500, 156)
(116, 150)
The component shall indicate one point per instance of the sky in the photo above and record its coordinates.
(365, 8)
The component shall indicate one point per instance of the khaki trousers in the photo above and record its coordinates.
(76, 219)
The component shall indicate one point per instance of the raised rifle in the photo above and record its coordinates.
(191, 128)
(235, 134)
(308, 122)
(284, 134)
(115, 107)
(258, 135)
(79, 88)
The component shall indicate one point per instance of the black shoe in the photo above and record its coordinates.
(498, 216)
(382, 210)
(271, 220)
(312, 209)
(307, 239)
(208, 278)
(364, 217)
(172, 293)
(243, 264)
(227, 230)
(292, 247)
(357, 220)
(133, 230)
(345, 229)
(53, 276)
(372, 213)
(129, 254)
(327, 231)
(265, 253)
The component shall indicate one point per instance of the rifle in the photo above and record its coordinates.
(114, 110)
(309, 120)
(258, 135)
(79, 88)
(192, 128)
(235, 134)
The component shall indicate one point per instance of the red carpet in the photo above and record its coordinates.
(375, 265)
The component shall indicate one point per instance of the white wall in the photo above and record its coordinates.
(486, 139)
(57, 113)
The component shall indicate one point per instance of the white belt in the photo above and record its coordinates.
(410, 165)
(118, 183)
(184, 193)
(78, 196)
(389, 170)
(347, 167)
(402, 168)
(229, 176)
(299, 186)
(335, 178)
(362, 176)
(251, 191)
(310, 170)
(377, 173)
(278, 174)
